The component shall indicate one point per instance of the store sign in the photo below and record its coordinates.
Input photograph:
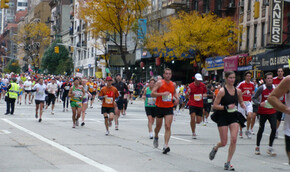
(214, 63)
(272, 63)
(245, 63)
(276, 26)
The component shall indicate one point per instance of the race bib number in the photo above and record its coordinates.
(66, 87)
(151, 101)
(167, 98)
(268, 105)
(197, 97)
(40, 94)
(232, 110)
(109, 100)
(209, 100)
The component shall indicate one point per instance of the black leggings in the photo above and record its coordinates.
(65, 98)
(273, 122)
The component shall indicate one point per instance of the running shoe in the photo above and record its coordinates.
(271, 152)
(91, 106)
(155, 142)
(63, 110)
(252, 132)
(257, 151)
(241, 134)
(83, 123)
(107, 133)
(212, 153)
(204, 124)
(166, 150)
(77, 122)
(67, 109)
(229, 167)
(248, 134)
(151, 135)
(74, 126)
(194, 136)
(39, 120)
(52, 112)
(116, 127)
(36, 115)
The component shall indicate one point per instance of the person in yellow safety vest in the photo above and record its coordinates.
(11, 96)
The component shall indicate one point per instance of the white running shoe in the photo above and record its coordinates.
(271, 151)
(107, 133)
(194, 136)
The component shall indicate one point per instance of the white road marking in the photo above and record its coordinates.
(63, 148)
(177, 138)
(4, 132)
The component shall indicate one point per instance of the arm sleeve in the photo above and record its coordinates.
(257, 95)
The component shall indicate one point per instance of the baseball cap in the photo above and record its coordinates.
(109, 78)
(198, 77)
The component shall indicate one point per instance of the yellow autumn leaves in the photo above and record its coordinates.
(193, 34)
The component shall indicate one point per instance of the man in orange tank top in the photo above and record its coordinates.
(164, 90)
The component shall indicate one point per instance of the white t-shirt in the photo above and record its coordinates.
(131, 87)
(40, 94)
(52, 88)
(27, 85)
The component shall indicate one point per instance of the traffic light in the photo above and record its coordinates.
(56, 49)
(256, 10)
(4, 3)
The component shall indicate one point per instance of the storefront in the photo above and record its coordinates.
(271, 60)
(214, 68)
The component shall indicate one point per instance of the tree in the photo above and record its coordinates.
(113, 20)
(31, 38)
(12, 66)
(57, 63)
(196, 35)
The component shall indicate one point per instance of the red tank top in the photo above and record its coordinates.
(264, 96)
(165, 101)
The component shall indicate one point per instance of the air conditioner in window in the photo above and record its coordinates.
(241, 4)
(255, 46)
(231, 5)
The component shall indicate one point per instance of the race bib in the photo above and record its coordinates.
(232, 110)
(197, 97)
(40, 94)
(151, 101)
(268, 105)
(109, 100)
(66, 87)
(167, 98)
(209, 100)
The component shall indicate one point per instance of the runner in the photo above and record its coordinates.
(27, 89)
(76, 93)
(52, 89)
(39, 88)
(21, 89)
(276, 82)
(65, 99)
(164, 90)
(225, 105)
(196, 92)
(207, 103)
(123, 89)
(93, 90)
(131, 90)
(108, 94)
(150, 106)
(248, 88)
(266, 112)
(85, 100)
(283, 89)
(2, 85)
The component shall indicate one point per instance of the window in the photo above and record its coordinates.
(248, 38)
(255, 36)
(249, 5)
(205, 6)
(195, 5)
(263, 35)
(218, 7)
(92, 52)
(241, 37)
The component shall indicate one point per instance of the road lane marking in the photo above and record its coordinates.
(177, 138)
(63, 148)
(4, 132)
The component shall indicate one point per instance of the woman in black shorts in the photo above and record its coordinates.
(229, 118)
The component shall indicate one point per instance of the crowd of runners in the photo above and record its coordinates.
(231, 107)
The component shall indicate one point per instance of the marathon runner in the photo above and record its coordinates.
(39, 88)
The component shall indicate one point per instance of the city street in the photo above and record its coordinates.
(53, 145)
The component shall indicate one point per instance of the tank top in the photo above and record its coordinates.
(149, 101)
(165, 101)
(264, 96)
(229, 99)
(287, 116)
(77, 94)
(86, 88)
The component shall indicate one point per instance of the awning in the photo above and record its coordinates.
(272, 59)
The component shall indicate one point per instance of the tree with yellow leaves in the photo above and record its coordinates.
(31, 38)
(195, 35)
(113, 19)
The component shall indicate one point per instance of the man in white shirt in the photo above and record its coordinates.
(52, 89)
(27, 89)
(39, 98)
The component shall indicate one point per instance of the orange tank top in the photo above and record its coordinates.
(165, 101)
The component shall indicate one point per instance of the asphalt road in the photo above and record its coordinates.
(53, 145)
